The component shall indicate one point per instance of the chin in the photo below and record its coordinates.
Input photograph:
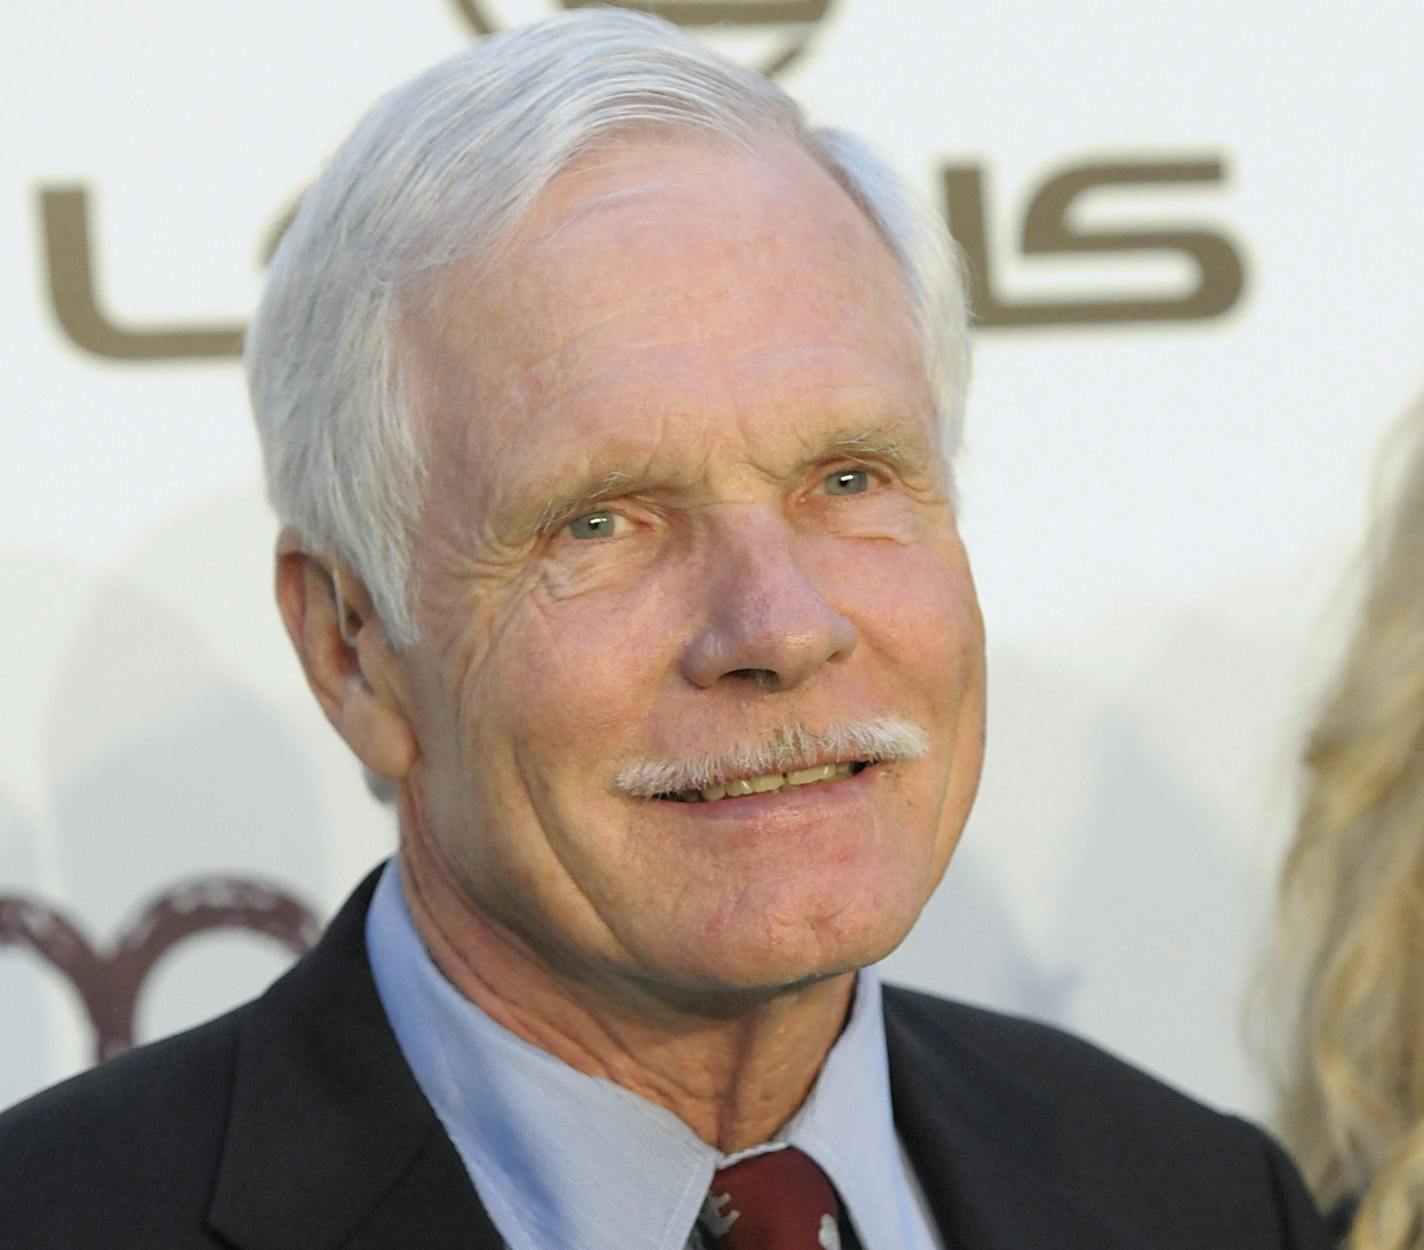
(770, 957)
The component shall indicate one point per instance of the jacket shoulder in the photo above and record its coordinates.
(1091, 1125)
(1039, 1063)
(124, 1153)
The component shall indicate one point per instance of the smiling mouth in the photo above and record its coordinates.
(767, 783)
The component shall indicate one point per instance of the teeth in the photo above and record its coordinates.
(769, 782)
(822, 772)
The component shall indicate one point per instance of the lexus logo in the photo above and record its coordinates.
(993, 225)
(766, 34)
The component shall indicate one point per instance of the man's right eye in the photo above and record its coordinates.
(594, 525)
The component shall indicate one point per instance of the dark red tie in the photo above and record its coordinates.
(775, 1201)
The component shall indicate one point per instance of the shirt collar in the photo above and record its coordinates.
(562, 1158)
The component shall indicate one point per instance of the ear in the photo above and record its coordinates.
(350, 664)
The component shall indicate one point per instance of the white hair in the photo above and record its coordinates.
(444, 169)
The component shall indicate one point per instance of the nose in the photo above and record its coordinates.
(766, 619)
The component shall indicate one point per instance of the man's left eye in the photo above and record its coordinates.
(847, 482)
(603, 524)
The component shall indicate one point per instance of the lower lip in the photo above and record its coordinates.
(789, 801)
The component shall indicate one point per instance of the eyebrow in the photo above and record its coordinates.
(572, 503)
(877, 443)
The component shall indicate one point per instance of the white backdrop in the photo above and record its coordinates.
(1166, 479)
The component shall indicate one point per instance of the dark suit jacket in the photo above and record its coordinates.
(294, 1123)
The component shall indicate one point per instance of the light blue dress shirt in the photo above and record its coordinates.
(560, 1158)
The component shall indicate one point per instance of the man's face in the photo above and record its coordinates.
(686, 496)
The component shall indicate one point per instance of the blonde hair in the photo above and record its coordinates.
(1347, 970)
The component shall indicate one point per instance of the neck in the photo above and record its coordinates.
(733, 1067)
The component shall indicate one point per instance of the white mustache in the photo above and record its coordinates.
(791, 747)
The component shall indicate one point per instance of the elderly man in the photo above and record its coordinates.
(608, 410)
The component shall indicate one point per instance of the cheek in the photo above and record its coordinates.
(572, 676)
(913, 605)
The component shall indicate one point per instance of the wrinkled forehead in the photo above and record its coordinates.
(692, 277)
(699, 213)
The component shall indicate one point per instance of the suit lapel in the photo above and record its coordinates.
(984, 1166)
(330, 1140)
